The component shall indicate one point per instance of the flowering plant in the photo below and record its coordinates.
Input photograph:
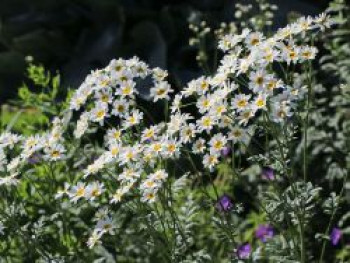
(106, 155)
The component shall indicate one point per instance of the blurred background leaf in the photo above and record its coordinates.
(76, 36)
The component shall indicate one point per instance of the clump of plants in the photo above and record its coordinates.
(221, 171)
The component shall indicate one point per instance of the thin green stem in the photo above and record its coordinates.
(331, 220)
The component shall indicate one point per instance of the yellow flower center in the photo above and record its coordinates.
(100, 114)
(207, 122)
(149, 196)
(237, 133)
(254, 41)
(206, 103)
(260, 80)
(129, 155)
(306, 54)
(171, 147)
(140, 70)
(212, 159)
(220, 109)
(55, 153)
(150, 184)
(115, 151)
(104, 83)
(269, 57)
(31, 143)
(95, 192)
(132, 119)
(123, 78)
(260, 103)
(204, 85)
(80, 192)
(271, 85)
(292, 54)
(242, 103)
(105, 98)
(149, 134)
(157, 147)
(161, 92)
(188, 132)
(218, 145)
(117, 135)
(126, 90)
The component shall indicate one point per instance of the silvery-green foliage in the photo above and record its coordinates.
(328, 129)
(174, 226)
(264, 17)
(331, 204)
(295, 204)
(185, 240)
(277, 250)
(198, 257)
(294, 208)
(180, 184)
(338, 61)
(257, 16)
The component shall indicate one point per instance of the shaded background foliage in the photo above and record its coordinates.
(77, 36)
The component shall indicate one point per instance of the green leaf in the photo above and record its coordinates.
(55, 86)
(24, 93)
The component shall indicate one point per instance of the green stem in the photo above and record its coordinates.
(302, 242)
(331, 220)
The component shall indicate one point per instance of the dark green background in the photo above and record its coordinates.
(75, 36)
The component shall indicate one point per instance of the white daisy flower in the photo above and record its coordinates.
(199, 146)
(217, 143)
(99, 113)
(240, 102)
(105, 225)
(133, 119)
(209, 161)
(161, 91)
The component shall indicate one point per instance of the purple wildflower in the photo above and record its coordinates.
(225, 151)
(335, 236)
(244, 250)
(34, 158)
(148, 140)
(224, 203)
(264, 232)
(268, 173)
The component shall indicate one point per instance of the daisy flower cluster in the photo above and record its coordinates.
(48, 146)
(135, 154)
(111, 92)
(104, 224)
(244, 88)
(130, 149)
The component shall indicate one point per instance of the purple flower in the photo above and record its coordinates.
(335, 236)
(148, 140)
(268, 173)
(244, 250)
(225, 151)
(34, 158)
(264, 232)
(224, 203)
